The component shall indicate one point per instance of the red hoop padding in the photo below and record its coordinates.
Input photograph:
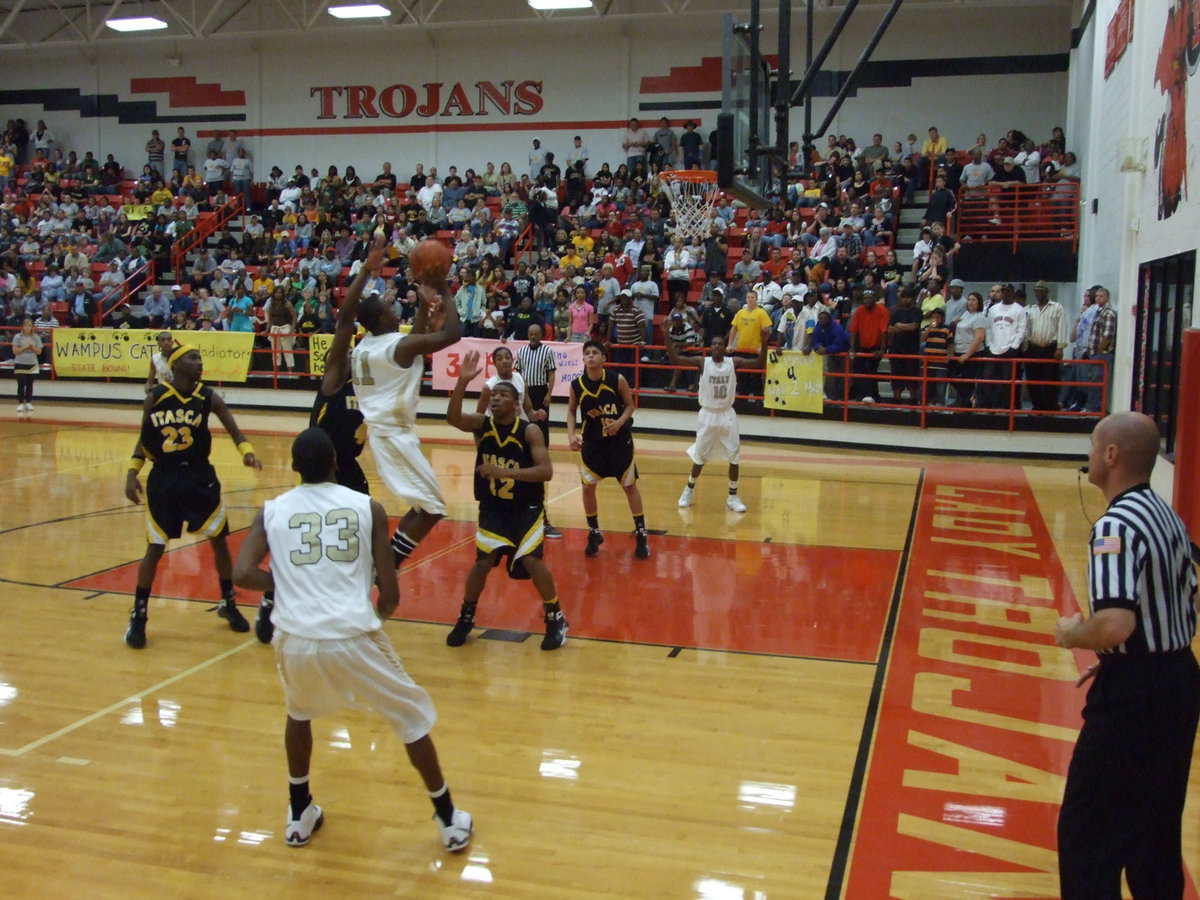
(692, 176)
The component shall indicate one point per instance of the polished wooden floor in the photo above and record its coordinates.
(850, 691)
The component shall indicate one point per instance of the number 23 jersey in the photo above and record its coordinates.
(175, 430)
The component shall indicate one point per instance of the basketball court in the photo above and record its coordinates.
(849, 691)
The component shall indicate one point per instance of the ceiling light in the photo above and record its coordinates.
(136, 23)
(360, 11)
(543, 5)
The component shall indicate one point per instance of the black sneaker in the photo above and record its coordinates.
(595, 539)
(556, 631)
(642, 550)
(135, 634)
(264, 628)
(228, 610)
(458, 634)
(551, 532)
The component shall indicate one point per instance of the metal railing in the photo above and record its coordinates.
(988, 387)
(1017, 213)
(206, 226)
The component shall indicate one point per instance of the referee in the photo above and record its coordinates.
(535, 362)
(1128, 778)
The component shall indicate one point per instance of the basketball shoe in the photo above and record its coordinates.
(556, 630)
(457, 834)
(735, 504)
(264, 628)
(642, 550)
(298, 831)
(687, 498)
(228, 610)
(458, 634)
(135, 634)
(595, 539)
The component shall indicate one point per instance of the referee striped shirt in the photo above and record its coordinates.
(1141, 560)
(536, 364)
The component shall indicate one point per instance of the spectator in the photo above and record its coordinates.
(634, 143)
(935, 341)
(1007, 327)
(830, 341)
(180, 150)
(1102, 342)
(1074, 397)
(241, 171)
(869, 327)
(941, 203)
(665, 145)
(537, 159)
(904, 340)
(471, 301)
(1047, 340)
(156, 308)
(627, 326)
(970, 340)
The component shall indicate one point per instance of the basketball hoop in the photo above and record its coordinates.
(694, 197)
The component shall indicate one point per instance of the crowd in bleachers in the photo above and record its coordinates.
(77, 237)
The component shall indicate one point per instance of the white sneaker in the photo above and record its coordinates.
(457, 834)
(735, 504)
(687, 498)
(993, 221)
(20, 407)
(298, 831)
(28, 407)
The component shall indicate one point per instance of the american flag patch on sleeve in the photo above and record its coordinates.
(1109, 544)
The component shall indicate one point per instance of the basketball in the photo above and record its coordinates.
(430, 262)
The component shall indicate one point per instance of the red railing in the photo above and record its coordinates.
(207, 224)
(843, 385)
(119, 296)
(1016, 213)
(523, 248)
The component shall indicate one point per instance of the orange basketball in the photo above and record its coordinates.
(430, 262)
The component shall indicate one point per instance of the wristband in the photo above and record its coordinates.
(245, 448)
(136, 463)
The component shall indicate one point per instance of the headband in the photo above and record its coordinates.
(179, 351)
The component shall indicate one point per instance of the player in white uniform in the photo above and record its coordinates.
(718, 428)
(327, 544)
(160, 369)
(386, 369)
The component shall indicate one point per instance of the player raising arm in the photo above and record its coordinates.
(386, 369)
(512, 467)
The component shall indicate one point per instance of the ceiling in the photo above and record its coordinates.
(29, 24)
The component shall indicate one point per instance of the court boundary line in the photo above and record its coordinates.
(87, 720)
(845, 839)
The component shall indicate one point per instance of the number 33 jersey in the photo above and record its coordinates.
(175, 431)
(320, 541)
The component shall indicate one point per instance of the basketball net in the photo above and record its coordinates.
(693, 198)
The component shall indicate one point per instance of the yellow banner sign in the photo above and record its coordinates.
(318, 348)
(126, 352)
(795, 382)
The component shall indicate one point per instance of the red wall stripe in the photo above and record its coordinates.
(423, 127)
(184, 92)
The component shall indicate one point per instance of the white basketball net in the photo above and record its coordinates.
(692, 204)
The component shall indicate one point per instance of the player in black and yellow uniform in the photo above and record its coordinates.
(512, 466)
(335, 410)
(183, 486)
(606, 405)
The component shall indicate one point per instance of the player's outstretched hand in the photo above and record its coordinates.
(470, 366)
(250, 461)
(433, 300)
(375, 256)
(133, 488)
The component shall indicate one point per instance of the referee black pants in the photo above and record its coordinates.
(1126, 786)
(537, 396)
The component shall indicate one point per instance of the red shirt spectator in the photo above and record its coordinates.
(869, 324)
